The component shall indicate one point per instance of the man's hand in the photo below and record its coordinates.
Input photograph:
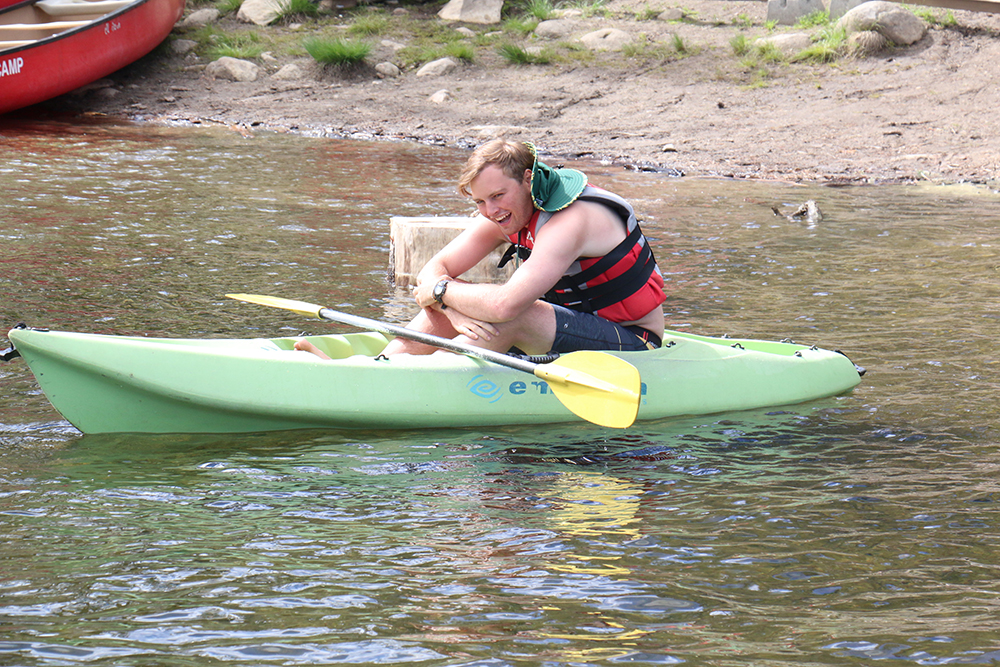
(469, 326)
(423, 293)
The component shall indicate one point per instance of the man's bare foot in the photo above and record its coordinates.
(305, 346)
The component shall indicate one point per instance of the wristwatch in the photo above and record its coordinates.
(439, 291)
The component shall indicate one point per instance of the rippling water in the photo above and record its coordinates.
(847, 531)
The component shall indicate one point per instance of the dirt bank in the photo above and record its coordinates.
(928, 111)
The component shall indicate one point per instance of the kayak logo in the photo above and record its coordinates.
(483, 387)
(11, 66)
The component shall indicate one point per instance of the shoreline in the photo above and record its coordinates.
(924, 113)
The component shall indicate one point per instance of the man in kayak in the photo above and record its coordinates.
(585, 277)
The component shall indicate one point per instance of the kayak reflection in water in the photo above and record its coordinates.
(585, 279)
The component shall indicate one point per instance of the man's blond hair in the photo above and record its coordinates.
(513, 158)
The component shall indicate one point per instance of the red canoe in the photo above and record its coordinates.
(50, 47)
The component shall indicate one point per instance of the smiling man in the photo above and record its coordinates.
(585, 277)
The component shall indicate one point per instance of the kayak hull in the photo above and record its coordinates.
(119, 384)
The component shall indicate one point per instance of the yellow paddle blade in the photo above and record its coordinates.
(597, 386)
(301, 307)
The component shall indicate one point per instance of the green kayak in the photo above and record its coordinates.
(116, 384)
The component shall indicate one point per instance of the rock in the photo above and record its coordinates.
(201, 17)
(788, 43)
(554, 29)
(289, 72)
(440, 97)
(395, 46)
(183, 46)
(233, 69)
(387, 70)
(260, 12)
(472, 11)
(606, 39)
(672, 14)
(840, 7)
(898, 25)
(438, 67)
(788, 12)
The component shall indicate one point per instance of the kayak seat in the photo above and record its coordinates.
(340, 347)
(77, 7)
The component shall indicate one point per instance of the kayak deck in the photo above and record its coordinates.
(104, 384)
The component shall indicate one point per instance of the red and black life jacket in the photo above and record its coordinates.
(622, 286)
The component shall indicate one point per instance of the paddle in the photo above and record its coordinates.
(597, 386)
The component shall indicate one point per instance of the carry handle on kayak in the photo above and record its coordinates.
(597, 386)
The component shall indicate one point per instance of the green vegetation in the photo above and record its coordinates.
(814, 20)
(521, 26)
(344, 52)
(828, 46)
(542, 10)
(517, 55)
(245, 45)
(295, 10)
(228, 6)
(932, 16)
(369, 24)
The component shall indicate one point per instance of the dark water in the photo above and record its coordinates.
(843, 532)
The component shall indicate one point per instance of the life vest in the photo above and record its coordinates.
(622, 286)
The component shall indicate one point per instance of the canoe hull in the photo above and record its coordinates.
(109, 384)
(55, 65)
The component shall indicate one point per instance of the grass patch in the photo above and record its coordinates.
(647, 13)
(816, 19)
(740, 45)
(345, 52)
(228, 6)
(369, 24)
(517, 55)
(296, 10)
(539, 9)
(932, 17)
(590, 8)
(679, 46)
(828, 46)
(520, 25)
(245, 45)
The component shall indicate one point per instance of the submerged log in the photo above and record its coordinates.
(413, 241)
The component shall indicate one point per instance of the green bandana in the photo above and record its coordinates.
(554, 189)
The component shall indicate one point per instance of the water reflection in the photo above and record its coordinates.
(843, 531)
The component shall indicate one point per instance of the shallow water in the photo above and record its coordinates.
(845, 531)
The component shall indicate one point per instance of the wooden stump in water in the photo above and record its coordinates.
(413, 241)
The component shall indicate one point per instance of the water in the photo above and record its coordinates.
(843, 532)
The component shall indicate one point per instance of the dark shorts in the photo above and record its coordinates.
(582, 331)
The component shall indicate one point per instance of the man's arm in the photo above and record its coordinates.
(558, 245)
(464, 251)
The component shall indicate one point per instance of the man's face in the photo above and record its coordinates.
(504, 200)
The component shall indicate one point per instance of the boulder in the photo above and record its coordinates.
(438, 67)
(472, 11)
(201, 17)
(441, 96)
(182, 47)
(606, 39)
(900, 26)
(233, 69)
(386, 70)
(289, 72)
(788, 12)
(554, 29)
(789, 44)
(260, 12)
